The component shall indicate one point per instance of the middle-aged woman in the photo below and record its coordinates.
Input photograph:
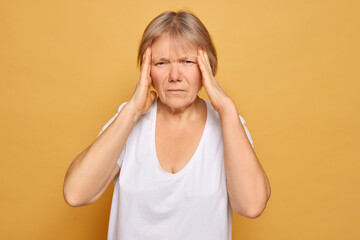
(180, 164)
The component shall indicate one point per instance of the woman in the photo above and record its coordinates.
(180, 164)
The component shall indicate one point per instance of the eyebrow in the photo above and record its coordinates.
(180, 58)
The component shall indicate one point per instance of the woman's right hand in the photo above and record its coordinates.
(94, 168)
(143, 97)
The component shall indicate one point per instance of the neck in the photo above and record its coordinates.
(190, 112)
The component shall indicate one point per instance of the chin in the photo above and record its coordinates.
(177, 102)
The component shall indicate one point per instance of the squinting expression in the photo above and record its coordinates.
(175, 74)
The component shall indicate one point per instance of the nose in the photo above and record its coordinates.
(175, 74)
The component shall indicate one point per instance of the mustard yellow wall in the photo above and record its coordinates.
(292, 68)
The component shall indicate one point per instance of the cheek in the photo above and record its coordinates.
(156, 76)
(196, 77)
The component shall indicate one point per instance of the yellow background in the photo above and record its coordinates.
(291, 67)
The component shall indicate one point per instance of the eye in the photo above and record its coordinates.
(188, 63)
(161, 64)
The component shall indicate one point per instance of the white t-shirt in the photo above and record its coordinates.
(153, 204)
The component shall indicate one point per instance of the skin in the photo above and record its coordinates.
(177, 77)
(181, 115)
(247, 183)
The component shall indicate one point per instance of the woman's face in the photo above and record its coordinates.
(175, 74)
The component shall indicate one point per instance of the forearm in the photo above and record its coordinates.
(91, 172)
(247, 183)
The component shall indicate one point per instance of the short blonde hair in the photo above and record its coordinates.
(183, 27)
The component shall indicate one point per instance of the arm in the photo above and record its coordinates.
(92, 170)
(247, 183)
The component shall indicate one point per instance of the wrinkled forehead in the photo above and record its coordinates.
(171, 47)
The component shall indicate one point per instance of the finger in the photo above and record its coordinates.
(207, 61)
(143, 62)
(201, 54)
(202, 65)
(200, 60)
(145, 66)
(148, 66)
(144, 58)
(149, 61)
(203, 58)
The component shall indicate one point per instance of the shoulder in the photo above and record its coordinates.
(214, 120)
(111, 119)
(121, 107)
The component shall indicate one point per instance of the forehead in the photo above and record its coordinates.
(167, 47)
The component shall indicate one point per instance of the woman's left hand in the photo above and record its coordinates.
(219, 99)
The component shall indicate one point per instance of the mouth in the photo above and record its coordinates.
(175, 90)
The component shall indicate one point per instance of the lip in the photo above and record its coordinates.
(175, 90)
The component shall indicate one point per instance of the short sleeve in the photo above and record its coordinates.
(122, 154)
(246, 130)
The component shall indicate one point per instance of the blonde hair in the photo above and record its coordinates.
(183, 27)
